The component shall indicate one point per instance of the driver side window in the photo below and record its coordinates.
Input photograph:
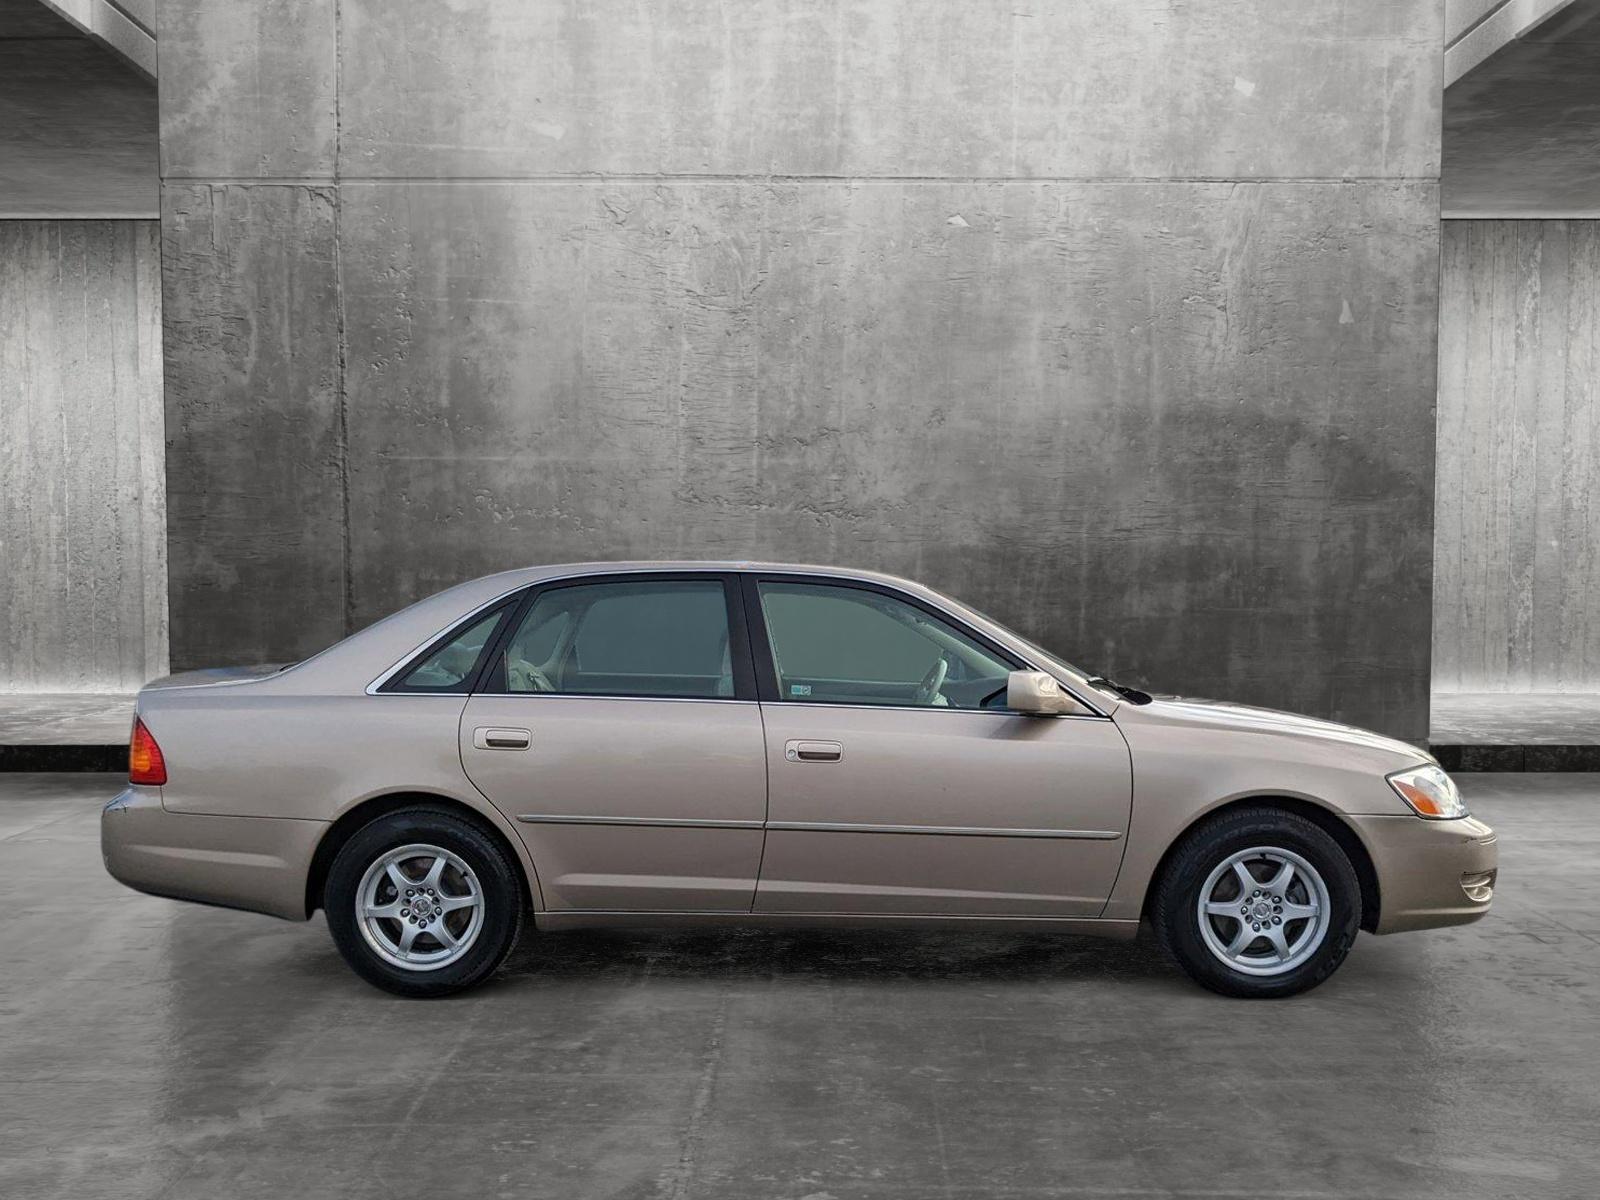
(836, 644)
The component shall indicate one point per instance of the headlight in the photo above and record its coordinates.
(1430, 793)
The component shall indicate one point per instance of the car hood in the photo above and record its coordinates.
(1240, 718)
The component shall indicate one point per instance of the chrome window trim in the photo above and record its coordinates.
(372, 691)
(1094, 835)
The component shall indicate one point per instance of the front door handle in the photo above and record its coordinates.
(501, 739)
(803, 751)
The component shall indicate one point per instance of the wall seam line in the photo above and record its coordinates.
(626, 177)
(348, 615)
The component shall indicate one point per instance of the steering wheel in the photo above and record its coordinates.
(928, 690)
(523, 676)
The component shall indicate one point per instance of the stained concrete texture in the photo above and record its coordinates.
(154, 1049)
(1038, 304)
(254, 422)
(83, 572)
(904, 88)
(960, 434)
(247, 88)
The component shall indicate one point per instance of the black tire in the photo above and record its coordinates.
(1174, 908)
(499, 880)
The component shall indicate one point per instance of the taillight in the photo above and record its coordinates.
(145, 764)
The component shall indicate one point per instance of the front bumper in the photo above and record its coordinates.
(1430, 873)
(254, 863)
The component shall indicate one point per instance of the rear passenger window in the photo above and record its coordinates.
(451, 667)
(637, 638)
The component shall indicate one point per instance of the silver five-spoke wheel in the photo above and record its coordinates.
(419, 907)
(1263, 911)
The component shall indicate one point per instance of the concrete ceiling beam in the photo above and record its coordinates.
(1476, 29)
(126, 27)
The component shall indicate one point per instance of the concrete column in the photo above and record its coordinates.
(82, 544)
(1519, 457)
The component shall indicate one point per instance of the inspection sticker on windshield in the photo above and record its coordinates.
(799, 689)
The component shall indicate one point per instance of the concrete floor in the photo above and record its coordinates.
(1515, 718)
(65, 718)
(152, 1049)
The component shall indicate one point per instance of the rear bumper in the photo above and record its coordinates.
(254, 863)
(1430, 873)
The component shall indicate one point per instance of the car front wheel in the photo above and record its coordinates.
(423, 903)
(1258, 903)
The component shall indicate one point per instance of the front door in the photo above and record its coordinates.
(898, 783)
(620, 731)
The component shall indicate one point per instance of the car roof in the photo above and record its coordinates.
(555, 570)
(523, 576)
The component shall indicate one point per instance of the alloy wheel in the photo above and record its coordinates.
(419, 907)
(1263, 911)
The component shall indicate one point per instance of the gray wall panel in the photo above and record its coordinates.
(1093, 88)
(84, 581)
(541, 374)
(247, 88)
(254, 464)
(1519, 440)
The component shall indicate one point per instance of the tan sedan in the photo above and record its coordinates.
(671, 743)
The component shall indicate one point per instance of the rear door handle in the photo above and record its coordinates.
(501, 739)
(803, 751)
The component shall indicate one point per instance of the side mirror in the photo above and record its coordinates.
(1038, 694)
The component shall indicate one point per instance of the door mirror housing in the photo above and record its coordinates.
(1038, 695)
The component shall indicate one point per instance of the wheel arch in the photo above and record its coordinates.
(358, 816)
(1327, 819)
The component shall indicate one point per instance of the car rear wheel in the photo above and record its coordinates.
(1258, 903)
(423, 903)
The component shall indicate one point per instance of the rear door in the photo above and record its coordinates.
(899, 782)
(616, 722)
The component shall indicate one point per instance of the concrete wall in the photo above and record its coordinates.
(82, 543)
(1518, 565)
(1115, 319)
